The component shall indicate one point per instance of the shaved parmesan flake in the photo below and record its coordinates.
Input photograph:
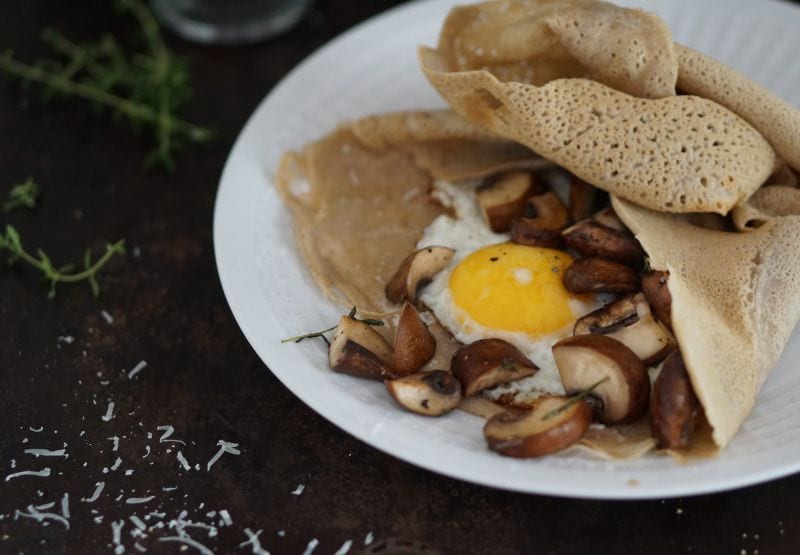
(44, 473)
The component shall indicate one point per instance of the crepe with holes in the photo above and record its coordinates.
(609, 115)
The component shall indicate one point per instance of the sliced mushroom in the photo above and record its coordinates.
(629, 320)
(430, 393)
(503, 199)
(609, 218)
(584, 199)
(654, 286)
(416, 271)
(541, 225)
(359, 350)
(489, 362)
(553, 424)
(673, 406)
(414, 344)
(595, 275)
(584, 361)
(591, 238)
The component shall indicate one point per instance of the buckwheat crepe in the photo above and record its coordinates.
(360, 196)
(590, 87)
(621, 128)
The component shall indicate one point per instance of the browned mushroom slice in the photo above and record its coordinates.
(619, 379)
(595, 275)
(673, 405)
(553, 424)
(359, 350)
(584, 199)
(609, 218)
(503, 199)
(428, 393)
(629, 320)
(416, 271)
(414, 344)
(541, 225)
(654, 286)
(487, 363)
(591, 238)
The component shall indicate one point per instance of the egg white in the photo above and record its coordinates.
(465, 232)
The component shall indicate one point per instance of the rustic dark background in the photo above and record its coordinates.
(204, 380)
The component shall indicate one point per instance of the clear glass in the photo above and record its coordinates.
(229, 21)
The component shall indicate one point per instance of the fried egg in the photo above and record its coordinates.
(493, 288)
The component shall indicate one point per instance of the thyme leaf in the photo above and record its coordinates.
(11, 242)
(507, 364)
(351, 314)
(23, 195)
(573, 400)
(145, 88)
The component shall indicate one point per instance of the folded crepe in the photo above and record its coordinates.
(735, 301)
(611, 117)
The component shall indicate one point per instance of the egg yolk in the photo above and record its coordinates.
(514, 288)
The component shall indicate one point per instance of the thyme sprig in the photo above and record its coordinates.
(146, 88)
(573, 400)
(22, 195)
(351, 314)
(51, 274)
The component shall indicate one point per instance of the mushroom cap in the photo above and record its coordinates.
(416, 271)
(595, 275)
(591, 238)
(414, 344)
(489, 362)
(584, 199)
(655, 287)
(503, 198)
(430, 393)
(542, 222)
(553, 424)
(583, 361)
(673, 405)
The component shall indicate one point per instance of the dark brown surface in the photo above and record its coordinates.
(204, 380)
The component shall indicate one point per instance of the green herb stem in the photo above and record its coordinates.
(12, 243)
(573, 400)
(299, 338)
(133, 110)
(351, 314)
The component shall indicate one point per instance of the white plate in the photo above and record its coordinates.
(372, 69)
